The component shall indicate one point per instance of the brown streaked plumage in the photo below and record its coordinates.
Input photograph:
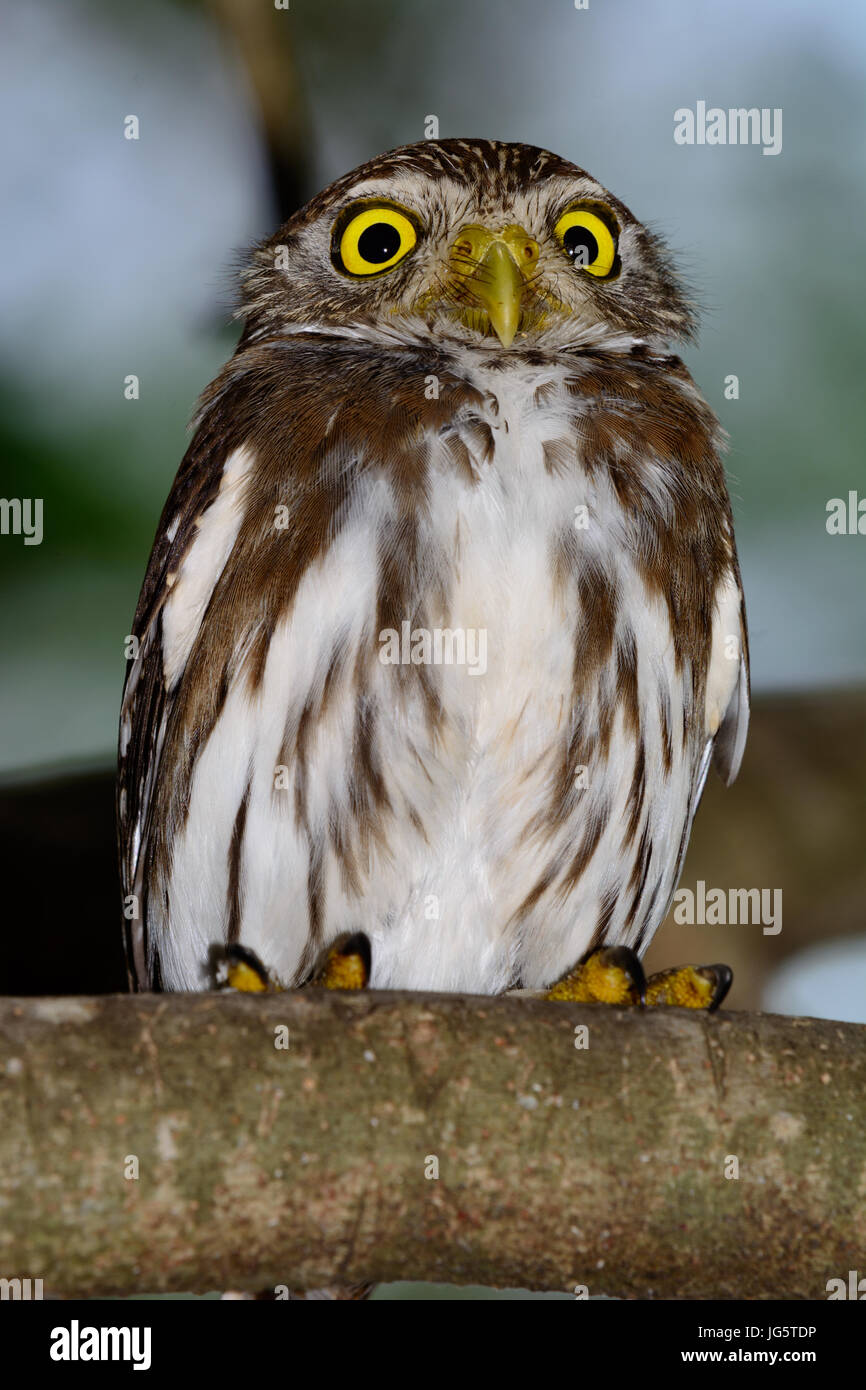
(374, 456)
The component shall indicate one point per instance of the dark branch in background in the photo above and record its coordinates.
(558, 1166)
(262, 37)
(61, 890)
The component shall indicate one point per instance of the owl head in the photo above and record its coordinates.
(488, 243)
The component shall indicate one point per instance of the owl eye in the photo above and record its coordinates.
(372, 240)
(588, 240)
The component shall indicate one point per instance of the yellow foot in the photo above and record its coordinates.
(613, 975)
(346, 964)
(242, 970)
(690, 986)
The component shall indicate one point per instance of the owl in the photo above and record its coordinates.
(443, 623)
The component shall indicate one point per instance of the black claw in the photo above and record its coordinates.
(723, 976)
(358, 944)
(219, 956)
(245, 956)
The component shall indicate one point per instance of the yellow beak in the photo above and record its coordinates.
(491, 270)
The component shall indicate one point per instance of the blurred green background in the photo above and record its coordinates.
(121, 255)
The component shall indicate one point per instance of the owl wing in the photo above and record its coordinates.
(149, 692)
(727, 697)
(279, 426)
(727, 707)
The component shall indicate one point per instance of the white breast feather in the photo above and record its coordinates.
(435, 906)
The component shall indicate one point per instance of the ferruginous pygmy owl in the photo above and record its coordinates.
(443, 620)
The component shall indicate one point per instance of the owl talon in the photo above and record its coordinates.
(690, 986)
(240, 969)
(346, 964)
(613, 975)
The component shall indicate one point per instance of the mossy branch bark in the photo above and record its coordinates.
(260, 1165)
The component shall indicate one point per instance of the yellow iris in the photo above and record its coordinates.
(374, 240)
(588, 240)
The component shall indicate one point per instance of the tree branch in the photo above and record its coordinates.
(558, 1166)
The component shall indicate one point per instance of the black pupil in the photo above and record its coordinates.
(581, 245)
(379, 242)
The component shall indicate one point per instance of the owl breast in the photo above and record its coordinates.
(471, 738)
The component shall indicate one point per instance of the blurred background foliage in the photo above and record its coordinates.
(120, 257)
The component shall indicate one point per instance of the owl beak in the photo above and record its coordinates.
(491, 270)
